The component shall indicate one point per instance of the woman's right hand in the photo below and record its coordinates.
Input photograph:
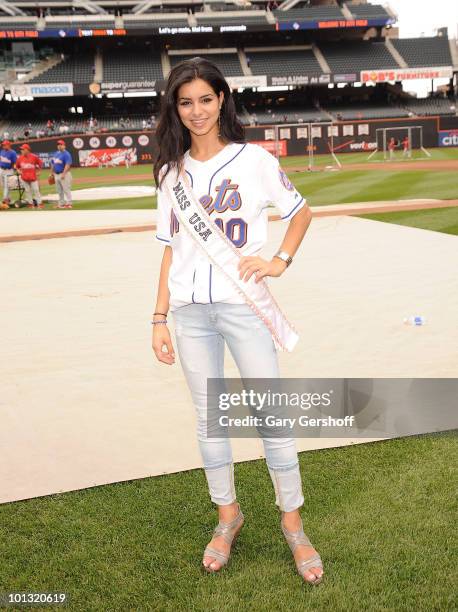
(161, 339)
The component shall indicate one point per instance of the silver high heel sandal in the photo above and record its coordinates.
(229, 531)
(296, 538)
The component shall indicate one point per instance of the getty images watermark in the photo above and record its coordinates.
(330, 407)
(269, 401)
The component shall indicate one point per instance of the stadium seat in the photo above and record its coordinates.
(427, 51)
(75, 69)
(356, 56)
(367, 11)
(228, 63)
(309, 13)
(283, 62)
(5, 24)
(132, 65)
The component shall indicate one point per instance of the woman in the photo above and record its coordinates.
(200, 136)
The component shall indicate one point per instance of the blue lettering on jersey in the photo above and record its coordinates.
(227, 198)
(221, 203)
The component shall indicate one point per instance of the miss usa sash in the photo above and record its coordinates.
(225, 257)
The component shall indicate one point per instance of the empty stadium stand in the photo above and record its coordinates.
(367, 111)
(80, 23)
(427, 51)
(362, 55)
(367, 11)
(75, 69)
(277, 62)
(217, 19)
(432, 106)
(155, 21)
(286, 115)
(228, 63)
(131, 65)
(7, 24)
(309, 13)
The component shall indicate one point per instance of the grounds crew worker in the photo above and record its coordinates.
(29, 166)
(60, 171)
(8, 159)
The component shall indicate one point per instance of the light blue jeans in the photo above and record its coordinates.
(201, 331)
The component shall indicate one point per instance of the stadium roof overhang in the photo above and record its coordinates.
(91, 6)
(11, 9)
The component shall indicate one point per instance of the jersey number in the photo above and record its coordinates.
(236, 230)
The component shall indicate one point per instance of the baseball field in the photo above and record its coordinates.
(359, 180)
(381, 514)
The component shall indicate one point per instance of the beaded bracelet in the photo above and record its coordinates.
(159, 322)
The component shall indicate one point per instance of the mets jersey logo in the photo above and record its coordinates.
(284, 180)
(227, 198)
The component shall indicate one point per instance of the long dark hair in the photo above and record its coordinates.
(172, 136)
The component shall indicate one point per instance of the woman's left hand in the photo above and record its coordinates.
(260, 267)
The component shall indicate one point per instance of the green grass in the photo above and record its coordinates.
(320, 188)
(443, 220)
(357, 158)
(382, 516)
(367, 186)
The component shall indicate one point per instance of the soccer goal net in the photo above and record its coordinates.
(318, 143)
(399, 143)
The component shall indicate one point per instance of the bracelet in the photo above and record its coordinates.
(164, 322)
(160, 313)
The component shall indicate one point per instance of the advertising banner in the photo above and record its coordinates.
(122, 86)
(331, 24)
(448, 138)
(349, 77)
(37, 90)
(202, 28)
(98, 158)
(405, 74)
(299, 79)
(247, 81)
(62, 33)
(112, 148)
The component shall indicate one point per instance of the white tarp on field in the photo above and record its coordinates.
(108, 193)
(83, 400)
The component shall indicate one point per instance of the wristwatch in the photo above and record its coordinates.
(284, 256)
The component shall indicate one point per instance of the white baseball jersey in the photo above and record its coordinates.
(235, 187)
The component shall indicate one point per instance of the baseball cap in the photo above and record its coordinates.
(6, 142)
(25, 146)
(61, 142)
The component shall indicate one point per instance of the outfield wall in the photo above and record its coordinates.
(111, 148)
(351, 136)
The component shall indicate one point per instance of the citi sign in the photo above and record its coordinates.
(448, 138)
